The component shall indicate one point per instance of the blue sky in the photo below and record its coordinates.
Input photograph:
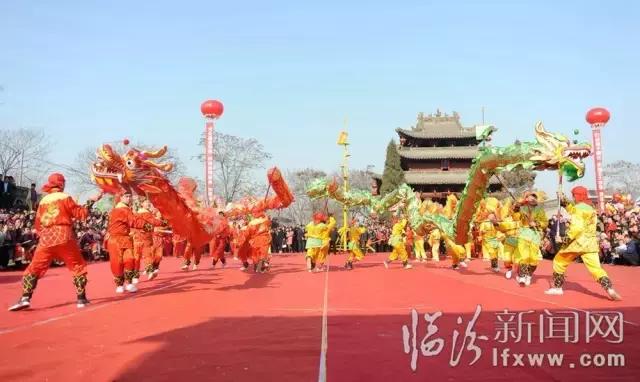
(289, 72)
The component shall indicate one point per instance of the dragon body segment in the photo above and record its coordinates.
(135, 171)
(550, 151)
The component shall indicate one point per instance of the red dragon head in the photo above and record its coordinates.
(133, 171)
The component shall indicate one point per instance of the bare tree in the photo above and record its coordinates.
(302, 207)
(358, 179)
(23, 154)
(518, 180)
(80, 172)
(623, 176)
(236, 160)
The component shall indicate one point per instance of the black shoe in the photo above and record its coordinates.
(82, 301)
(24, 303)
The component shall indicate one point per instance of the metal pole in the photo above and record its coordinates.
(597, 157)
(208, 161)
(559, 214)
(345, 185)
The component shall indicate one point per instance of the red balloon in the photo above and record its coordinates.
(212, 108)
(126, 141)
(598, 116)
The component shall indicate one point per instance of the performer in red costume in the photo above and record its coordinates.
(146, 241)
(161, 235)
(259, 234)
(217, 245)
(179, 244)
(191, 254)
(120, 244)
(54, 226)
(243, 249)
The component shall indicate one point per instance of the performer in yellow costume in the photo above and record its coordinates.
(434, 243)
(509, 226)
(397, 243)
(488, 221)
(533, 222)
(326, 240)
(355, 254)
(418, 247)
(314, 232)
(580, 242)
(434, 236)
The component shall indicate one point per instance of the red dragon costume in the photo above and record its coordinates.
(136, 171)
(254, 239)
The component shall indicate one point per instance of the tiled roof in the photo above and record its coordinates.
(456, 152)
(439, 177)
(444, 131)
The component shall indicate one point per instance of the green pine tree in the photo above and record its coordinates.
(393, 176)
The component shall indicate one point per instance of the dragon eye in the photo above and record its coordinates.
(130, 163)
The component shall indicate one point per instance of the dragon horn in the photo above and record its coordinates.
(155, 154)
(160, 166)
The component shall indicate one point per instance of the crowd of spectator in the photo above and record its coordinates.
(18, 240)
(618, 235)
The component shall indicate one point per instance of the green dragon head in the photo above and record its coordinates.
(555, 151)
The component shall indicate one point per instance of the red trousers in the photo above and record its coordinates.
(244, 251)
(120, 255)
(138, 251)
(68, 252)
(179, 248)
(260, 247)
(191, 253)
(152, 255)
(216, 248)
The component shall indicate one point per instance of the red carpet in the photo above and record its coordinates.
(226, 325)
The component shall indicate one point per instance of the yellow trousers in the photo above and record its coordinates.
(418, 247)
(313, 253)
(508, 253)
(528, 253)
(399, 252)
(489, 249)
(562, 260)
(322, 253)
(456, 251)
(435, 250)
(355, 254)
(467, 250)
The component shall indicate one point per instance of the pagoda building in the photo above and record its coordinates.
(437, 152)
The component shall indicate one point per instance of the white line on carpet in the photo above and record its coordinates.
(322, 373)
